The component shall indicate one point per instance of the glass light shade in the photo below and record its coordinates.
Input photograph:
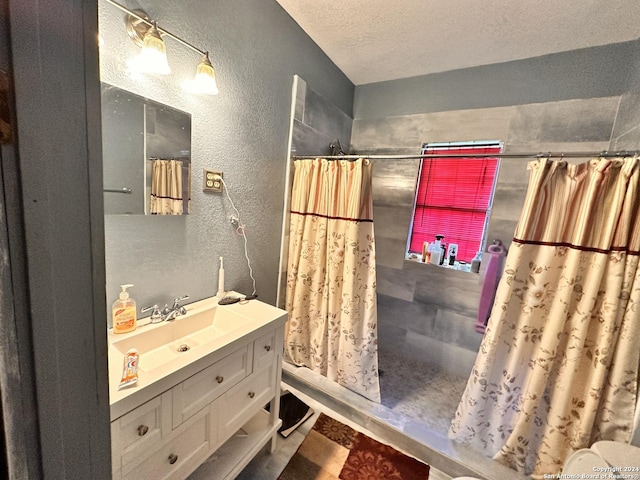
(153, 56)
(205, 79)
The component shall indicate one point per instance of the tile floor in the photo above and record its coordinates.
(417, 405)
(266, 466)
(418, 391)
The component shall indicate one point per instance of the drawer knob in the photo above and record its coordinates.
(142, 430)
(252, 394)
(267, 347)
(219, 379)
(173, 458)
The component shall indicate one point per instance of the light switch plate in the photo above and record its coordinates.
(212, 181)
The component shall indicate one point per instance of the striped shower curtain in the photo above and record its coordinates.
(558, 365)
(331, 276)
(166, 187)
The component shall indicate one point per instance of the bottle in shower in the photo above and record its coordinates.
(475, 263)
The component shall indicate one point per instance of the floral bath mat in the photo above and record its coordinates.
(333, 450)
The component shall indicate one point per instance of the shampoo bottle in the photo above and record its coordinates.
(124, 312)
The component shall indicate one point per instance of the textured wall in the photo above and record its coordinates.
(256, 48)
(425, 311)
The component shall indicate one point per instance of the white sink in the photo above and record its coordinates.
(207, 329)
(164, 342)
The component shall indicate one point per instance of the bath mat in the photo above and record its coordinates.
(293, 413)
(333, 450)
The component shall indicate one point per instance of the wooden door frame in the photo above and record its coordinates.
(52, 274)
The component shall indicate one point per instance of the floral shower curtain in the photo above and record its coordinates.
(331, 276)
(166, 187)
(558, 366)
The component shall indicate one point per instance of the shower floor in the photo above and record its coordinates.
(416, 390)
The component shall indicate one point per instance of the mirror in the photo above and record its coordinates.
(146, 154)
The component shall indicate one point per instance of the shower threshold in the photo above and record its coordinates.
(413, 437)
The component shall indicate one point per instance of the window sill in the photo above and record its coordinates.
(413, 258)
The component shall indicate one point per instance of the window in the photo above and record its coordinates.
(454, 196)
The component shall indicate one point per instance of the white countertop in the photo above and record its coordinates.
(246, 320)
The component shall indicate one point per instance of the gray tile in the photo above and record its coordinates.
(508, 202)
(628, 141)
(394, 283)
(389, 191)
(398, 168)
(322, 115)
(502, 230)
(513, 171)
(454, 328)
(539, 146)
(440, 355)
(308, 141)
(390, 336)
(301, 94)
(582, 120)
(390, 252)
(392, 222)
(391, 133)
(412, 130)
(445, 288)
(411, 316)
(628, 116)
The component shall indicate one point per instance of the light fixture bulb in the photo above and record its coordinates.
(205, 79)
(153, 56)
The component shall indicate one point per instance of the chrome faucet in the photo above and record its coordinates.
(166, 314)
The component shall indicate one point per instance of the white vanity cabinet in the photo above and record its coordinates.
(209, 419)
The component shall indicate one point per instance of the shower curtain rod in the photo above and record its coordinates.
(604, 154)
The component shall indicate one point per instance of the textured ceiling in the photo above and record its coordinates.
(377, 40)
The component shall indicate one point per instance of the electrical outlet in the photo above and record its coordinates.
(212, 181)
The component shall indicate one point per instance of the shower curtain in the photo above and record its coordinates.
(558, 366)
(331, 276)
(166, 187)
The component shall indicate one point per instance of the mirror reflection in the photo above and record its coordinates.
(146, 151)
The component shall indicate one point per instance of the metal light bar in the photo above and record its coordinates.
(160, 29)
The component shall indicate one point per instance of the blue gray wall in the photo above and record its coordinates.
(562, 102)
(256, 49)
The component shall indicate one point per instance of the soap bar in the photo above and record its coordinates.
(228, 300)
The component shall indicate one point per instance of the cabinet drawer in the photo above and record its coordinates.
(264, 351)
(137, 433)
(181, 455)
(204, 387)
(245, 399)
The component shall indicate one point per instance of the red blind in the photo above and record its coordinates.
(453, 197)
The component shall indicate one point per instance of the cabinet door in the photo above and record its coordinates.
(204, 387)
(245, 399)
(264, 351)
(181, 455)
(138, 433)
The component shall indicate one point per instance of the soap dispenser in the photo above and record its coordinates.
(124, 312)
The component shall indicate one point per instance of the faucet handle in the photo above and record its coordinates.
(156, 316)
(176, 301)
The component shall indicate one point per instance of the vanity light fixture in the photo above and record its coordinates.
(153, 56)
(205, 79)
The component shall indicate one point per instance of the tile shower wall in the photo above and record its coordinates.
(626, 133)
(426, 311)
(317, 123)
